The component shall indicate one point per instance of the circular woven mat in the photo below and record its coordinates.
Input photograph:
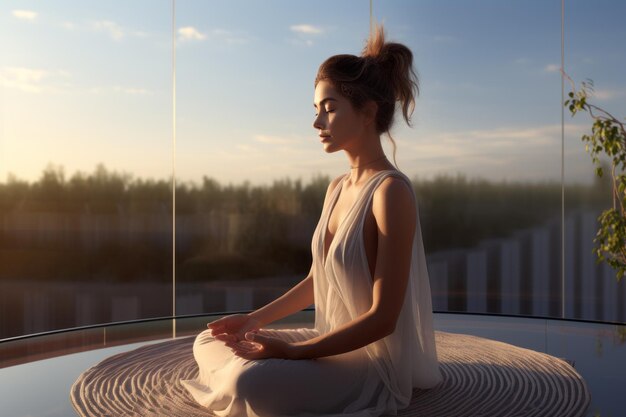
(482, 377)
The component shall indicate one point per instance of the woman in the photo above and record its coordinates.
(373, 340)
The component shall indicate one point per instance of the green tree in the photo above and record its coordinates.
(608, 136)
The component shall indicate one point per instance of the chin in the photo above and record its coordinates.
(330, 148)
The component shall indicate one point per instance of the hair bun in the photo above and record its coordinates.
(395, 61)
(383, 73)
(374, 46)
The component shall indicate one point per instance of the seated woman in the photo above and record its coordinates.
(373, 340)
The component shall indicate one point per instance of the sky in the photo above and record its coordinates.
(89, 82)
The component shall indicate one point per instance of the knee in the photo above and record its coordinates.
(250, 385)
(246, 382)
(203, 338)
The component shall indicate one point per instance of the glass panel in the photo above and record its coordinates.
(85, 154)
(592, 291)
(485, 150)
(251, 172)
(85, 162)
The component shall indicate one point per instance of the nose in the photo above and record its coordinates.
(317, 124)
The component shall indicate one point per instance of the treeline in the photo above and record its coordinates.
(105, 191)
(268, 228)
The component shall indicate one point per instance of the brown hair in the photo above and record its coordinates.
(383, 73)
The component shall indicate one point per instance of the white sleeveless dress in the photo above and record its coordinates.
(374, 380)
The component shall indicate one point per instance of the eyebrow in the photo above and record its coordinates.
(323, 101)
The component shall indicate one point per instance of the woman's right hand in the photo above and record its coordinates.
(233, 328)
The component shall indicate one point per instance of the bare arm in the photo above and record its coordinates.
(296, 299)
(395, 213)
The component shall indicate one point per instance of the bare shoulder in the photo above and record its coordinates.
(394, 199)
(394, 189)
(331, 188)
(333, 185)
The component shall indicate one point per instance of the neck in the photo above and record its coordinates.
(363, 165)
(367, 155)
(367, 158)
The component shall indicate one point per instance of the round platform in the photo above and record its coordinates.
(482, 377)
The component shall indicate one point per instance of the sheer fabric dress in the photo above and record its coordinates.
(374, 380)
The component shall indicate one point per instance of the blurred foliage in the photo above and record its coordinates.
(270, 226)
(608, 137)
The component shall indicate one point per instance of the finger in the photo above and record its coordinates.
(249, 346)
(244, 349)
(218, 323)
(244, 346)
(226, 337)
(218, 327)
(250, 355)
(223, 330)
(215, 327)
(257, 338)
(233, 343)
(221, 336)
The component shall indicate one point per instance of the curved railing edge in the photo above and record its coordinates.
(222, 313)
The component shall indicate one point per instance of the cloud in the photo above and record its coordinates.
(220, 36)
(189, 33)
(68, 25)
(37, 81)
(515, 153)
(606, 95)
(229, 37)
(498, 140)
(140, 34)
(246, 148)
(30, 80)
(113, 29)
(303, 33)
(273, 140)
(533, 135)
(552, 68)
(131, 90)
(306, 29)
(512, 136)
(25, 14)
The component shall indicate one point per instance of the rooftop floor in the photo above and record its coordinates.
(36, 372)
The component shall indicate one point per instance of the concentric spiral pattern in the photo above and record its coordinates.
(482, 377)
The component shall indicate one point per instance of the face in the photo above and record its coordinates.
(338, 124)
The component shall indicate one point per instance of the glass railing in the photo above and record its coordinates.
(105, 108)
(594, 349)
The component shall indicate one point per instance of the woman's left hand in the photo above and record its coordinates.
(257, 346)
